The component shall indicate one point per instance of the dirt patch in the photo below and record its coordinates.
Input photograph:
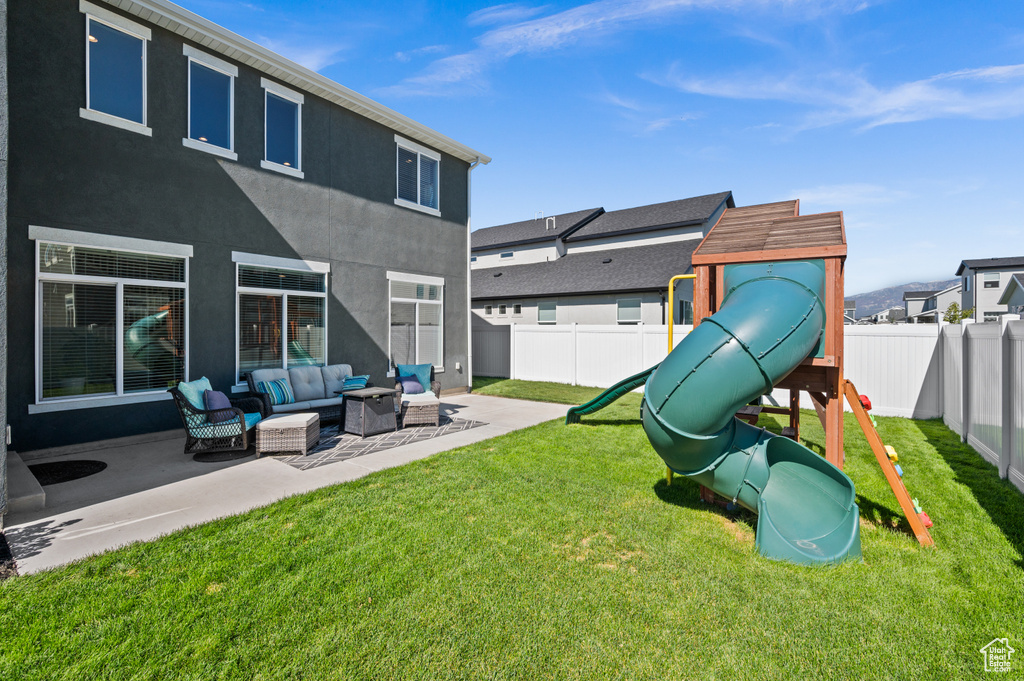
(739, 531)
(8, 568)
(601, 549)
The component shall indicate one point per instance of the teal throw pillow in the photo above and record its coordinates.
(279, 391)
(194, 391)
(420, 371)
(355, 382)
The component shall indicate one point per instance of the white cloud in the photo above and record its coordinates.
(992, 92)
(311, 55)
(840, 196)
(585, 22)
(409, 55)
(503, 14)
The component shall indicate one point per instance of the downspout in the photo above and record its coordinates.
(469, 274)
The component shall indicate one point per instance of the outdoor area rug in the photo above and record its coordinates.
(335, 446)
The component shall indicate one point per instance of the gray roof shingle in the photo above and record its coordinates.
(918, 295)
(630, 269)
(691, 211)
(989, 263)
(529, 231)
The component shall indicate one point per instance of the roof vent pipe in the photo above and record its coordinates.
(538, 215)
(549, 223)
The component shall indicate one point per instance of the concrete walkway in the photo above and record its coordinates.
(153, 489)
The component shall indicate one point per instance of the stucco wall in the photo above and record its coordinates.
(76, 174)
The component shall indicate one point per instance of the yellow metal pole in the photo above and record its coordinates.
(671, 303)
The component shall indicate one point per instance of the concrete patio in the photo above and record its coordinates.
(151, 489)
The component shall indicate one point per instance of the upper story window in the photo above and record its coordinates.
(418, 177)
(517, 310)
(967, 283)
(546, 312)
(502, 310)
(488, 310)
(507, 254)
(211, 104)
(991, 280)
(282, 313)
(628, 311)
(282, 129)
(115, 69)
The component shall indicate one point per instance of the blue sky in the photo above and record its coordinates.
(906, 115)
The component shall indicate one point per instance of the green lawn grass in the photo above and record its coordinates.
(555, 552)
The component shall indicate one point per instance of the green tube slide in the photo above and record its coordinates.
(770, 320)
(613, 393)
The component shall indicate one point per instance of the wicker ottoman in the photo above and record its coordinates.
(297, 433)
(420, 411)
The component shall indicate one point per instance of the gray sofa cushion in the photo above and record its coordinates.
(307, 383)
(259, 375)
(294, 406)
(334, 377)
(329, 402)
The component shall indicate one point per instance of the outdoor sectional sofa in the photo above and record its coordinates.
(315, 389)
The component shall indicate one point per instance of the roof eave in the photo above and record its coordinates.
(638, 230)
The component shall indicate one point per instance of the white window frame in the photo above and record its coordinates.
(967, 284)
(273, 262)
(517, 310)
(220, 66)
(618, 311)
(119, 23)
(419, 150)
(270, 87)
(502, 310)
(488, 310)
(554, 308)
(64, 237)
(988, 280)
(427, 281)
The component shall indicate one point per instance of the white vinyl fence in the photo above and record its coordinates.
(972, 376)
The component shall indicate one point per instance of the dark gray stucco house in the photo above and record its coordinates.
(592, 266)
(186, 203)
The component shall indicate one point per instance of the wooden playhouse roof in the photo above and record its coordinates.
(772, 231)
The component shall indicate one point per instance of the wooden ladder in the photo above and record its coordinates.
(894, 479)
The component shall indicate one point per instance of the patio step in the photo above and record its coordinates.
(24, 493)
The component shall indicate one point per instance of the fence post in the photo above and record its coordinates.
(1006, 346)
(965, 380)
(512, 351)
(575, 354)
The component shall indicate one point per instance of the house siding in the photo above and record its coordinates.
(584, 309)
(76, 174)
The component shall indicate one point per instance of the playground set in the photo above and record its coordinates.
(768, 313)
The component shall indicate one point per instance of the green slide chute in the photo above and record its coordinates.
(770, 320)
(608, 396)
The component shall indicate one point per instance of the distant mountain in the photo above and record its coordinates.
(884, 298)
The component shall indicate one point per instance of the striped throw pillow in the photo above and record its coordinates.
(354, 382)
(279, 391)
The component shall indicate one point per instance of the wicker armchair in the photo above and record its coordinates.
(236, 433)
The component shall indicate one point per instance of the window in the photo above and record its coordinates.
(502, 310)
(115, 69)
(507, 254)
(282, 315)
(628, 311)
(685, 314)
(211, 104)
(517, 310)
(418, 177)
(472, 258)
(488, 310)
(111, 322)
(991, 280)
(967, 284)
(282, 129)
(546, 312)
(416, 320)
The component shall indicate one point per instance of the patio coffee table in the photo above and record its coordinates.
(298, 432)
(369, 411)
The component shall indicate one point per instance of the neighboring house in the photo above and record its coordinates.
(983, 282)
(187, 203)
(890, 316)
(849, 312)
(929, 306)
(591, 266)
(1013, 294)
